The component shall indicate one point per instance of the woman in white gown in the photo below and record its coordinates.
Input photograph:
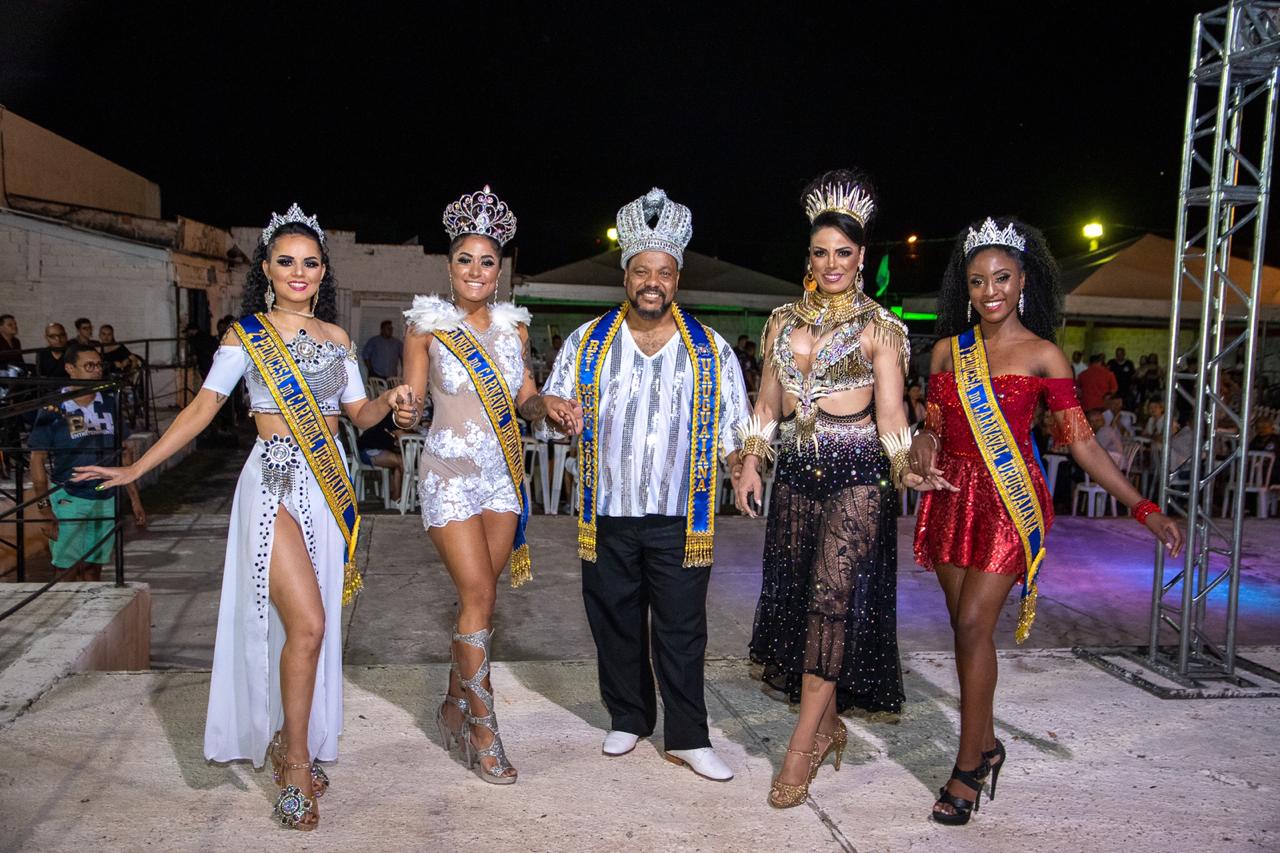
(277, 661)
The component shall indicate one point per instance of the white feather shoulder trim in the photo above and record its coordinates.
(433, 314)
(508, 315)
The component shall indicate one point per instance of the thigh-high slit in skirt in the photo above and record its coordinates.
(244, 691)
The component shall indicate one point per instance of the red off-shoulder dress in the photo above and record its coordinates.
(971, 528)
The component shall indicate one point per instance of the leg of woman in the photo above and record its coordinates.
(816, 696)
(296, 597)
(464, 548)
(392, 461)
(981, 597)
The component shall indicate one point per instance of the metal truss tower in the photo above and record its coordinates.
(1226, 182)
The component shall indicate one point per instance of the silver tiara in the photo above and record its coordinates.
(293, 214)
(480, 213)
(849, 199)
(992, 235)
(671, 232)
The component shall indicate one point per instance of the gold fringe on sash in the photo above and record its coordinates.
(1027, 614)
(521, 566)
(698, 549)
(587, 541)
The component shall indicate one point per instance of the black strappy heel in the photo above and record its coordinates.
(988, 756)
(964, 809)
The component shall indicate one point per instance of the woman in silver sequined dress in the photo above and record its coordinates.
(834, 366)
(469, 505)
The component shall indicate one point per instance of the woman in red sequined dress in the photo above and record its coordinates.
(1002, 277)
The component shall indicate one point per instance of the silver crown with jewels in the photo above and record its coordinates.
(991, 234)
(293, 214)
(671, 231)
(480, 213)
(849, 199)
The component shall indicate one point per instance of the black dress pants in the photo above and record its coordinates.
(640, 599)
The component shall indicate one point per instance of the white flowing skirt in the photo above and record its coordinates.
(244, 691)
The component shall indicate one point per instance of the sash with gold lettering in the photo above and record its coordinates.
(307, 425)
(704, 425)
(1004, 461)
(500, 406)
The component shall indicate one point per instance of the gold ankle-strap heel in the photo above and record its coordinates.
(294, 809)
(784, 796)
(839, 739)
(276, 752)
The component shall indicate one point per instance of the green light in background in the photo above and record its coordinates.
(882, 276)
(913, 315)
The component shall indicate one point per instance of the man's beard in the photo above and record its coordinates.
(645, 313)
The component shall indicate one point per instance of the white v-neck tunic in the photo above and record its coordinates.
(646, 403)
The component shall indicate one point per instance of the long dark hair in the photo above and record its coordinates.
(856, 231)
(1042, 294)
(256, 283)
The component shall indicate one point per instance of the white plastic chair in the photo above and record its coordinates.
(410, 450)
(1257, 483)
(376, 387)
(1092, 492)
(358, 469)
(535, 457)
(560, 462)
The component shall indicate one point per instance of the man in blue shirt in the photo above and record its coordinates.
(79, 431)
(382, 352)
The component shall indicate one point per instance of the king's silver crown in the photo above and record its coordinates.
(293, 214)
(671, 231)
(849, 199)
(991, 234)
(480, 213)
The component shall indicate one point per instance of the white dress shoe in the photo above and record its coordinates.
(702, 761)
(619, 743)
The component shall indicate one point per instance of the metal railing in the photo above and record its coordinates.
(22, 396)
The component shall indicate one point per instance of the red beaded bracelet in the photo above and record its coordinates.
(1142, 509)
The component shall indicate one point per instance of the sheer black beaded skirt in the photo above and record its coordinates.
(828, 602)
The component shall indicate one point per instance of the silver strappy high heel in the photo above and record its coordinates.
(453, 737)
(496, 773)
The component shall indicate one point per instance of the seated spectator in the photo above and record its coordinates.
(1096, 382)
(1153, 427)
(1108, 436)
(379, 445)
(10, 346)
(49, 359)
(116, 357)
(1115, 415)
(1077, 363)
(84, 333)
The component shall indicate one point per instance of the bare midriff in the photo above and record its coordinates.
(269, 425)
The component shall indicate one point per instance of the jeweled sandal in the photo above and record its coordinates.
(496, 773)
(293, 808)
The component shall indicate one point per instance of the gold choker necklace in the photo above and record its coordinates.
(820, 309)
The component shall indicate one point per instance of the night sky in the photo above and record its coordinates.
(374, 117)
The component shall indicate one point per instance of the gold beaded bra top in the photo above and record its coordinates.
(840, 363)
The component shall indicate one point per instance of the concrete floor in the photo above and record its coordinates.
(112, 760)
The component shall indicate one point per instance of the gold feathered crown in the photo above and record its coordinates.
(850, 199)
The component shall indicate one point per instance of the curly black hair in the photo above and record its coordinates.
(1042, 295)
(256, 284)
(856, 231)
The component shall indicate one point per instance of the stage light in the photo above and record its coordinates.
(1093, 230)
(911, 239)
(612, 234)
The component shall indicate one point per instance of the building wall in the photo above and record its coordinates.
(51, 272)
(38, 164)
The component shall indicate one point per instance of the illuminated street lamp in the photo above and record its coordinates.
(1092, 232)
(912, 239)
(612, 234)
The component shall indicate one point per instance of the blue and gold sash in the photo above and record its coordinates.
(704, 425)
(1004, 461)
(500, 406)
(307, 425)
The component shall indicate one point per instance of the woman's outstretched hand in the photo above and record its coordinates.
(1168, 531)
(110, 477)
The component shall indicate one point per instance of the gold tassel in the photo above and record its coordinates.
(352, 582)
(698, 549)
(1027, 614)
(587, 541)
(521, 566)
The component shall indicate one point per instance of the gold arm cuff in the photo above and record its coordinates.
(757, 445)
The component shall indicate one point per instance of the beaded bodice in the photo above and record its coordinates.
(322, 365)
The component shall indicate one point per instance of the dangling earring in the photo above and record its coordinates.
(810, 283)
(271, 296)
(453, 297)
(970, 314)
(858, 281)
(1021, 302)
